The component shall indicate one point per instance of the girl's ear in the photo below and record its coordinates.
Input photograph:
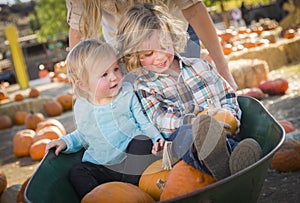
(83, 86)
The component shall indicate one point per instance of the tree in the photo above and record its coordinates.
(51, 16)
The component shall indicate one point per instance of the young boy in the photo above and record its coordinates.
(174, 90)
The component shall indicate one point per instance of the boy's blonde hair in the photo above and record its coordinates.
(139, 23)
(87, 56)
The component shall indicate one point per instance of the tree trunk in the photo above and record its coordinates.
(224, 16)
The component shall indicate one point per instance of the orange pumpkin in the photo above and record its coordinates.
(53, 108)
(3, 94)
(274, 87)
(66, 100)
(32, 119)
(20, 196)
(150, 177)
(19, 117)
(287, 158)
(49, 132)
(37, 149)
(289, 34)
(22, 142)
(184, 179)
(3, 182)
(33, 93)
(5, 122)
(287, 126)
(51, 122)
(225, 116)
(19, 97)
(117, 192)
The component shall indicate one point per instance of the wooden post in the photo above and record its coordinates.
(17, 56)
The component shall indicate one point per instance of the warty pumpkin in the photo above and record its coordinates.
(117, 192)
(148, 181)
(22, 142)
(184, 179)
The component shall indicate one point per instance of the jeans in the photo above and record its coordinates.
(192, 49)
(85, 176)
(182, 147)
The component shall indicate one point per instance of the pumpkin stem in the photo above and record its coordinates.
(168, 160)
(161, 184)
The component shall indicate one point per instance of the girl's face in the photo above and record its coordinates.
(103, 87)
(155, 58)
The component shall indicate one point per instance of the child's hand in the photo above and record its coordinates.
(158, 146)
(58, 144)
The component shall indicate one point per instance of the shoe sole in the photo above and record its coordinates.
(210, 143)
(246, 153)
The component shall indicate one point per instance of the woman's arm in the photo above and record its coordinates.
(200, 20)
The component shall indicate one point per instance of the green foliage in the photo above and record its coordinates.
(51, 16)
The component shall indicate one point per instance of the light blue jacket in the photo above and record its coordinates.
(105, 131)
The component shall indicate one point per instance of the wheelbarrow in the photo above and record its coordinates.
(50, 184)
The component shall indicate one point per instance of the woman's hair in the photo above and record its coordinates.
(139, 23)
(87, 56)
(91, 17)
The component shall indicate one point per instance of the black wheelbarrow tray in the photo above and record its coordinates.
(49, 183)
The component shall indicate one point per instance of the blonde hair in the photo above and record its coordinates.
(139, 23)
(85, 57)
(91, 17)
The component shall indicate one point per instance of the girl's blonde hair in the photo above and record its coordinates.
(91, 18)
(139, 23)
(85, 57)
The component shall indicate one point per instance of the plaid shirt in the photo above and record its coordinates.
(170, 102)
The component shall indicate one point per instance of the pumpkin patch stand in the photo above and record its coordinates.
(49, 183)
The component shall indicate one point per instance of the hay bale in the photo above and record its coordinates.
(291, 48)
(29, 104)
(248, 73)
(273, 54)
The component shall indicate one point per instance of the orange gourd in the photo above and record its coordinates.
(184, 179)
(20, 196)
(49, 132)
(22, 142)
(225, 116)
(287, 126)
(3, 182)
(3, 94)
(32, 119)
(5, 122)
(34, 93)
(117, 192)
(287, 158)
(37, 149)
(51, 122)
(150, 177)
(66, 100)
(19, 117)
(19, 97)
(53, 108)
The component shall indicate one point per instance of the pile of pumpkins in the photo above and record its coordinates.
(33, 140)
(63, 102)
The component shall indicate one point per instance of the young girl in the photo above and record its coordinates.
(174, 90)
(110, 122)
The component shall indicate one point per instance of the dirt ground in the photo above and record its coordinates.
(277, 187)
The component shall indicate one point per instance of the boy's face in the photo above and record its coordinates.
(155, 58)
(105, 85)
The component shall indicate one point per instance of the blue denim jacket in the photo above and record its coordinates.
(106, 130)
